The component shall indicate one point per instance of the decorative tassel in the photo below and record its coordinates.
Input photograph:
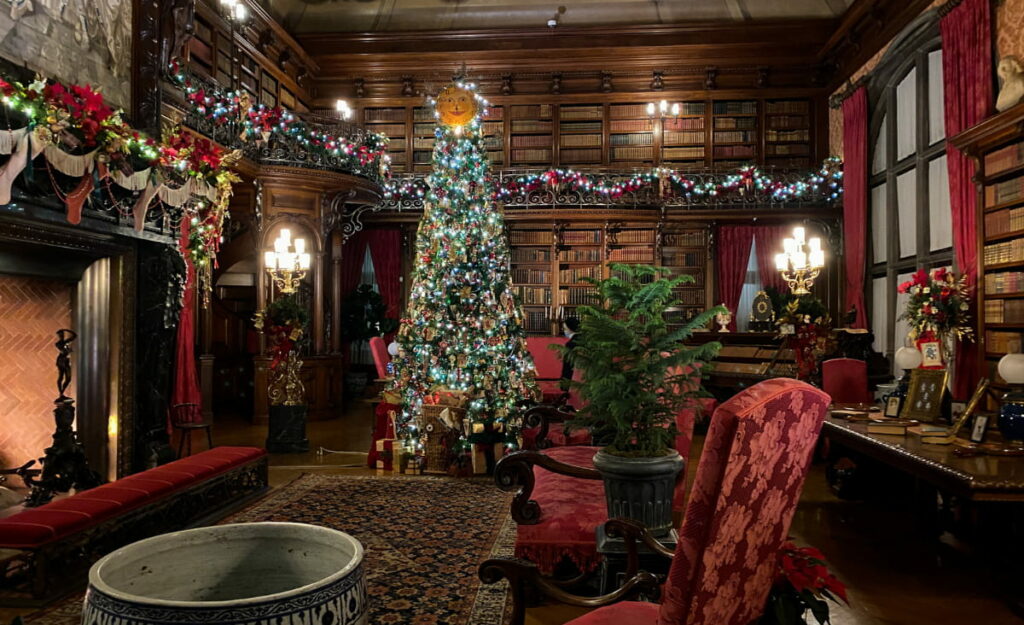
(135, 182)
(142, 205)
(14, 166)
(76, 199)
(176, 197)
(72, 165)
(9, 139)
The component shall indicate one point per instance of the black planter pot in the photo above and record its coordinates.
(640, 489)
(286, 432)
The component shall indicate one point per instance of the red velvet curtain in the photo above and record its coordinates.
(769, 243)
(967, 80)
(855, 201)
(186, 398)
(386, 253)
(733, 256)
(352, 255)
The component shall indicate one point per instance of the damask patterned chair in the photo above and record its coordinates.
(846, 380)
(381, 357)
(749, 480)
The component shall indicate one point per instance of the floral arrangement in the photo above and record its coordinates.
(284, 321)
(258, 122)
(806, 320)
(802, 583)
(938, 305)
(79, 131)
(746, 179)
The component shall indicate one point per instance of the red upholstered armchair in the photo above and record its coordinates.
(750, 476)
(548, 364)
(846, 381)
(381, 357)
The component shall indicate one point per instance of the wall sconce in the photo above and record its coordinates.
(800, 262)
(663, 109)
(234, 10)
(343, 109)
(288, 262)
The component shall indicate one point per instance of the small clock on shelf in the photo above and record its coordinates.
(762, 314)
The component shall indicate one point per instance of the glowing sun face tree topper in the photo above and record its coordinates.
(463, 329)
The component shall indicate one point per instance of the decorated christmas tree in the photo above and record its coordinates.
(462, 333)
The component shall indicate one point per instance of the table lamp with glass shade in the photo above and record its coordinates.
(1011, 413)
(905, 358)
(800, 261)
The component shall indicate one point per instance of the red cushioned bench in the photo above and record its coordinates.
(46, 550)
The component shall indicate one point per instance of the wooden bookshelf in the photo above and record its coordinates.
(734, 133)
(391, 122)
(533, 274)
(494, 135)
(631, 135)
(580, 134)
(423, 125)
(685, 251)
(531, 134)
(997, 146)
(787, 133)
(684, 139)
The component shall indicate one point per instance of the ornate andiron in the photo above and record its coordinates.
(64, 465)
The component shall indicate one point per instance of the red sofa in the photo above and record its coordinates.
(61, 539)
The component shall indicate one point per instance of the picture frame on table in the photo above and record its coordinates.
(980, 427)
(961, 418)
(926, 391)
(931, 354)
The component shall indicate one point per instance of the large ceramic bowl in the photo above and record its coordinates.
(251, 573)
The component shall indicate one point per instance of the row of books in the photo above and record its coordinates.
(384, 115)
(694, 152)
(577, 237)
(683, 138)
(787, 135)
(788, 121)
(530, 255)
(581, 112)
(785, 162)
(422, 157)
(683, 315)
(424, 130)
(632, 154)
(496, 157)
(632, 255)
(1002, 342)
(690, 297)
(492, 143)
(1004, 159)
(1004, 282)
(740, 136)
(423, 114)
(493, 128)
(576, 295)
(580, 256)
(391, 130)
(689, 238)
(530, 237)
(1004, 311)
(531, 156)
(537, 320)
(734, 151)
(423, 143)
(682, 259)
(529, 125)
(574, 141)
(632, 139)
(635, 237)
(578, 274)
(531, 276)
(685, 123)
(580, 127)
(618, 111)
(737, 123)
(1004, 252)
(641, 279)
(631, 125)
(396, 145)
(1002, 192)
(531, 111)
(747, 107)
(1003, 221)
(580, 155)
(786, 106)
(698, 279)
(531, 141)
(786, 149)
(397, 158)
(534, 294)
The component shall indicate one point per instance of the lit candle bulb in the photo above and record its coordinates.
(798, 234)
(789, 245)
(650, 108)
(817, 259)
(799, 260)
(269, 259)
(814, 244)
(781, 262)
(300, 246)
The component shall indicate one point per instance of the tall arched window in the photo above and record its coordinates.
(908, 205)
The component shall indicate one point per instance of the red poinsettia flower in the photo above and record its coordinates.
(920, 277)
(939, 275)
(904, 287)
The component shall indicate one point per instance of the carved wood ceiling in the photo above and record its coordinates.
(317, 16)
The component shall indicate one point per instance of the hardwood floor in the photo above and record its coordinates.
(895, 575)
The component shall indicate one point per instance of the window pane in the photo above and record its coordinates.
(940, 216)
(906, 202)
(878, 160)
(879, 224)
(936, 102)
(906, 115)
(900, 327)
(879, 317)
(751, 286)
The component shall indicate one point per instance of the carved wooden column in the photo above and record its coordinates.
(336, 294)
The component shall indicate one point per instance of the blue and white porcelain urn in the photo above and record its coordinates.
(252, 573)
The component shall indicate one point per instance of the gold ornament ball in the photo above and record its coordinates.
(456, 106)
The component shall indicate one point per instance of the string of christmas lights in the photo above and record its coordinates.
(827, 181)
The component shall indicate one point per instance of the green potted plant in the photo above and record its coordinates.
(637, 375)
(363, 317)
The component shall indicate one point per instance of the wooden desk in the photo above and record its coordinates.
(978, 478)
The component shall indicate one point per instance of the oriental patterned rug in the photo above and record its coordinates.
(424, 538)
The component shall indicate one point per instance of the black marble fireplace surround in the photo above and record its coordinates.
(129, 287)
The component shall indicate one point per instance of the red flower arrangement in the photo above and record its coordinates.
(938, 304)
(802, 582)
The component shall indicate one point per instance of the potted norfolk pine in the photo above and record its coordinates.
(637, 375)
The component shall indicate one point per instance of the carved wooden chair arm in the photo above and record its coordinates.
(541, 417)
(523, 575)
(634, 533)
(514, 474)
